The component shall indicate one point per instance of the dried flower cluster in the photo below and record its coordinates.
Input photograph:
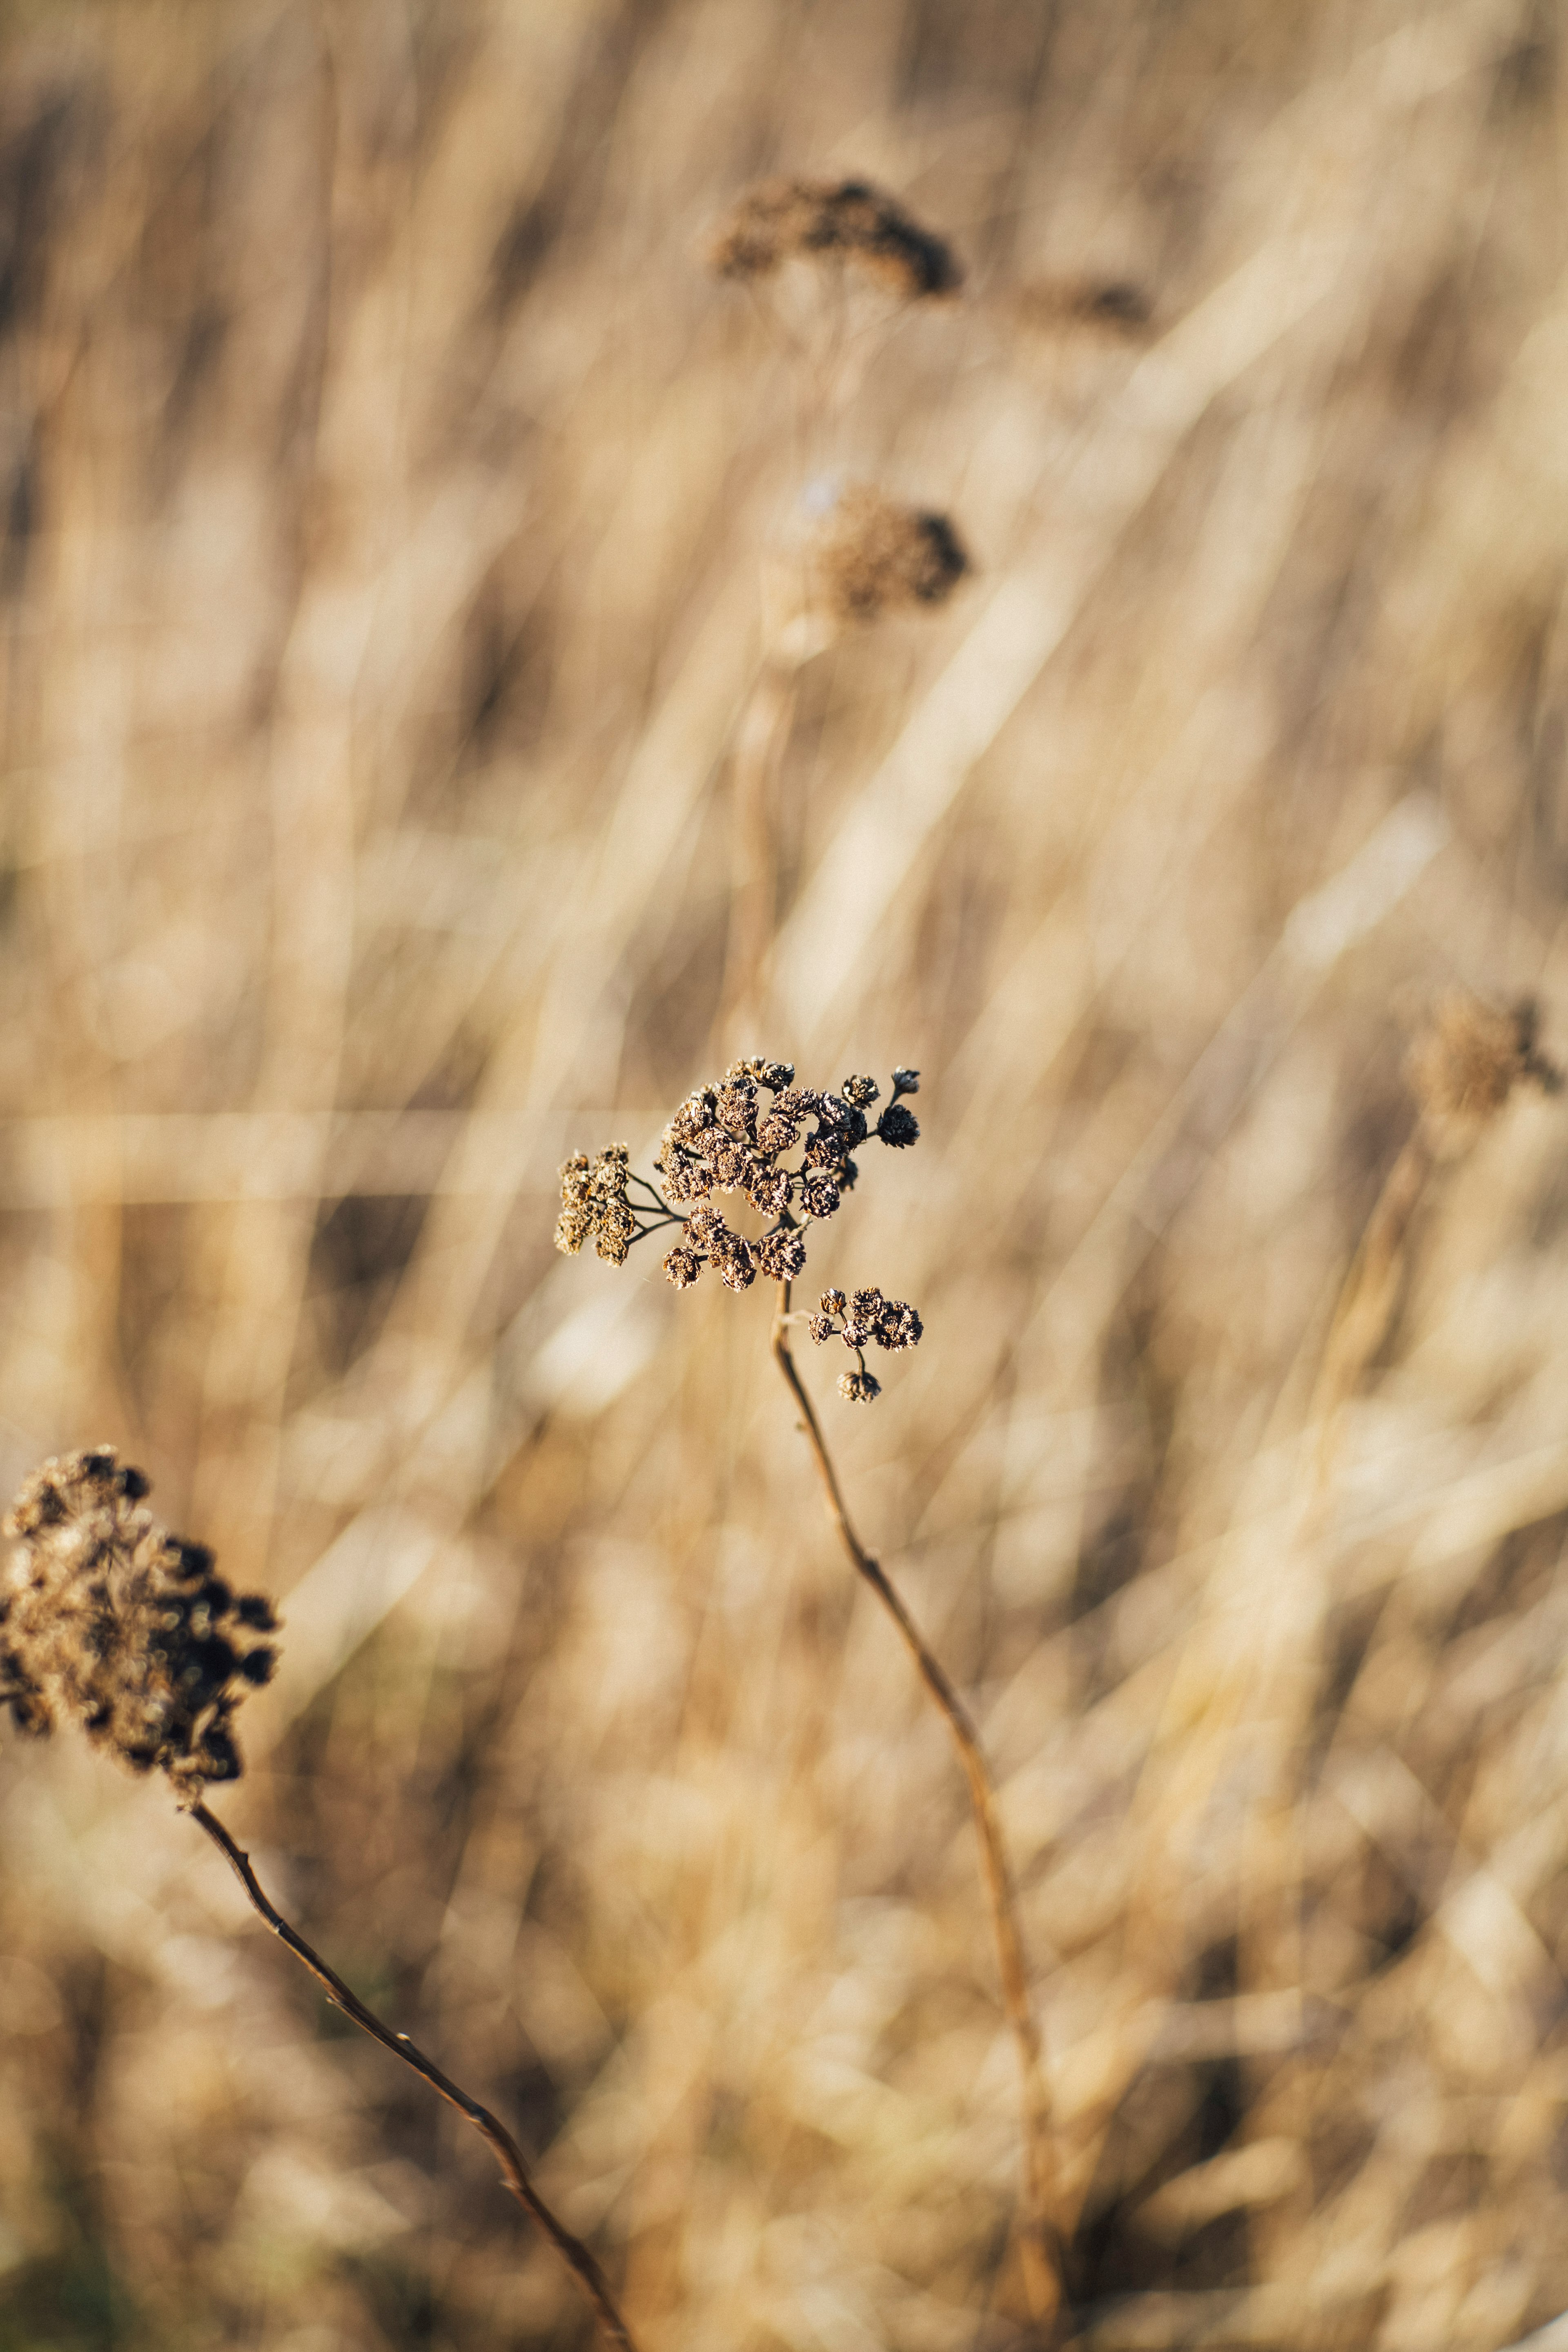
(862, 1318)
(788, 1152)
(1466, 1062)
(868, 555)
(114, 1623)
(847, 221)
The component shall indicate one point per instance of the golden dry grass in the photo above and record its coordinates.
(388, 488)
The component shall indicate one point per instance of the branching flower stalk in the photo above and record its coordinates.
(726, 1139)
(113, 1624)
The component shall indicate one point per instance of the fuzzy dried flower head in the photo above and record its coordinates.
(843, 221)
(1466, 1062)
(112, 1623)
(851, 555)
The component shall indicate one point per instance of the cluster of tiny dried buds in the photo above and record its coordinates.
(112, 1623)
(844, 221)
(742, 1135)
(862, 1318)
(1467, 1062)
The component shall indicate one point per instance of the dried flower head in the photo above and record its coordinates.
(787, 1151)
(593, 1204)
(850, 556)
(868, 555)
(844, 221)
(112, 1623)
(1466, 1062)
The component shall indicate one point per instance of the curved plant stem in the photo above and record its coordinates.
(1042, 2258)
(514, 2172)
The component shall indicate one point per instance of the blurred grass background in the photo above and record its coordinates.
(384, 487)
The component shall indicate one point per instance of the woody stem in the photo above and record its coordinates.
(508, 2154)
(1041, 2252)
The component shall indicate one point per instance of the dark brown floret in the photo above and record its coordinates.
(113, 1624)
(683, 1266)
(861, 1092)
(822, 1328)
(706, 1230)
(738, 1109)
(859, 1387)
(832, 1302)
(818, 1192)
(898, 1127)
(736, 1265)
(769, 1191)
(781, 1255)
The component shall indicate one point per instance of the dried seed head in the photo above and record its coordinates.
(112, 1623)
(898, 1127)
(723, 1140)
(1466, 1062)
(683, 1266)
(781, 1255)
(859, 1387)
(868, 555)
(832, 220)
(906, 1082)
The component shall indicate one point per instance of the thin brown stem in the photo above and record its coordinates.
(508, 2154)
(1041, 2250)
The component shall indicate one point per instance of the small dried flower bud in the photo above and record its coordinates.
(706, 1230)
(906, 1082)
(775, 1133)
(684, 1179)
(572, 1231)
(818, 1192)
(114, 1623)
(576, 1219)
(861, 1092)
(781, 1255)
(859, 1387)
(821, 1327)
(822, 1151)
(832, 1302)
(738, 1108)
(897, 1327)
(775, 1075)
(737, 1267)
(732, 1165)
(898, 1127)
(769, 1191)
(683, 1266)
